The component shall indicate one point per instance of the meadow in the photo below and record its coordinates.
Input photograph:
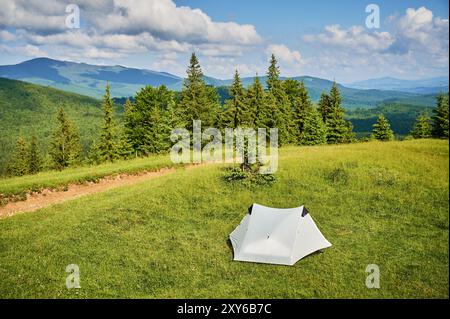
(383, 203)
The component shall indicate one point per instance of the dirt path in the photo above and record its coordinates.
(49, 197)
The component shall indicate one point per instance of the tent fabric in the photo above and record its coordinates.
(276, 236)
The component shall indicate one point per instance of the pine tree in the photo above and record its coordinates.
(301, 106)
(314, 130)
(254, 101)
(441, 117)
(273, 74)
(237, 113)
(282, 116)
(324, 106)
(422, 128)
(382, 130)
(197, 101)
(335, 99)
(34, 157)
(148, 121)
(19, 164)
(65, 145)
(107, 146)
(338, 129)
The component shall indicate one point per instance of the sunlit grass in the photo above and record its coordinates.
(377, 203)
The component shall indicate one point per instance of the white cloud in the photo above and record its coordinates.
(33, 15)
(418, 30)
(353, 38)
(27, 50)
(7, 36)
(164, 19)
(117, 28)
(415, 44)
(283, 53)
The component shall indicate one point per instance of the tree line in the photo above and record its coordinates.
(150, 117)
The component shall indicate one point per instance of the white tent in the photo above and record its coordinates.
(276, 236)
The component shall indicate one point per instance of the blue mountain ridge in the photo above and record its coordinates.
(91, 80)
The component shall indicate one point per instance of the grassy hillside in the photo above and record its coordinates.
(377, 203)
(27, 109)
(53, 180)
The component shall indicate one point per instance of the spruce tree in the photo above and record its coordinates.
(107, 146)
(301, 106)
(148, 121)
(273, 74)
(254, 101)
(34, 157)
(338, 129)
(197, 102)
(19, 164)
(282, 116)
(324, 106)
(65, 145)
(237, 113)
(441, 117)
(314, 130)
(422, 128)
(382, 130)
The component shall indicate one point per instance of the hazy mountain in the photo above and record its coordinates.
(91, 80)
(422, 86)
(84, 78)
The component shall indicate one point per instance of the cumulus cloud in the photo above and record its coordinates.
(353, 38)
(118, 27)
(415, 43)
(418, 30)
(283, 53)
(168, 21)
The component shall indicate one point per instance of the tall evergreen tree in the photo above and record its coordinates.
(441, 117)
(282, 116)
(422, 128)
(254, 101)
(324, 106)
(273, 74)
(301, 106)
(338, 129)
(19, 162)
(107, 146)
(382, 130)
(196, 101)
(336, 99)
(148, 122)
(34, 157)
(237, 112)
(65, 145)
(314, 130)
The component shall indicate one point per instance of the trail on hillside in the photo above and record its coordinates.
(49, 197)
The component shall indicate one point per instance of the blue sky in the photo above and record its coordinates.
(324, 38)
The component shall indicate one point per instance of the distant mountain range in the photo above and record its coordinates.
(425, 86)
(91, 80)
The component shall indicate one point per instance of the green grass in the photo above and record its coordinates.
(55, 179)
(377, 203)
